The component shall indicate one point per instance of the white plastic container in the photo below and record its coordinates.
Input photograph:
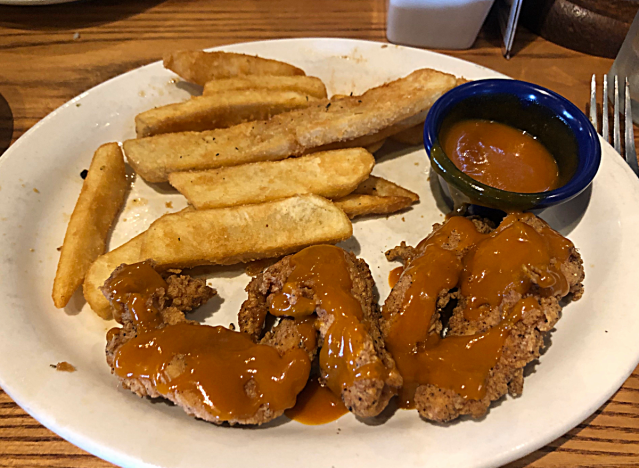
(436, 24)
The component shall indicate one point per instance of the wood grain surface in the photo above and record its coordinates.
(50, 54)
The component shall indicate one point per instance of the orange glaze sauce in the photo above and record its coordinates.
(215, 368)
(316, 405)
(435, 270)
(393, 276)
(324, 269)
(505, 261)
(285, 303)
(131, 288)
(501, 156)
(307, 328)
(483, 267)
(462, 363)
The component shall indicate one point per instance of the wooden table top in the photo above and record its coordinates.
(50, 54)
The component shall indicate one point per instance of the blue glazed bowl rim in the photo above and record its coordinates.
(588, 147)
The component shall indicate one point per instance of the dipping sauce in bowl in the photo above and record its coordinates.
(501, 156)
(509, 145)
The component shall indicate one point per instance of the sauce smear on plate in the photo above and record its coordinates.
(316, 405)
(501, 156)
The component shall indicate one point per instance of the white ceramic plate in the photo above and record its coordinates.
(593, 349)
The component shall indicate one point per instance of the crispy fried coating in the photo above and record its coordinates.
(507, 377)
(182, 295)
(522, 345)
(366, 397)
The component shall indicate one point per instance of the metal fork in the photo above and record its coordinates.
(630, 153)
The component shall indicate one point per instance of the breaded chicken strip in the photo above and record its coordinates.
(159, 312)
(507, 297)
(365, 396)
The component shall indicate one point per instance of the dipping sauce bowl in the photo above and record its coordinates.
(550, 118)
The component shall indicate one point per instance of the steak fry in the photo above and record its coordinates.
(201, 67)
(299, 83)
(329, 124)
(333, 289)
(211, 372)
(507, 284)
(219, 111)
(330, 174)
(376, 196)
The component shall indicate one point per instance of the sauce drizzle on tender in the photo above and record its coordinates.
(323, 268)
(211, 367)
(484, 267)
(393, 276)
(132, 288)
(500, 156)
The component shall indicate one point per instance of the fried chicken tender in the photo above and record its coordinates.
(537, 303)
(364, 397)
(181, 294)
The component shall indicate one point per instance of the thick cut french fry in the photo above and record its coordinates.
(376, 196)
(330, 174)
(244, 233)
(391, 107)
(200, 67)
(100, 200)
(225, 110)
(410, 132)
(375, 147)
(102, 268)
(301, 84)
(384, 188)
(374, 139)
(359, 205)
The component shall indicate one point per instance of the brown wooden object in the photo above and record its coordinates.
(596, 27)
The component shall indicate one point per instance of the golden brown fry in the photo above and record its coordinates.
(409, 131)
(330, 174)
(200, 67)
(373, 139)
(411, 136)
(375, 147)
(244, 233)
(376, 196)
(154, 158)
(374, 115)
(100, 200)
(209, 112)
(384, 188)
(359, 205)
(301, 84)
(101, 269)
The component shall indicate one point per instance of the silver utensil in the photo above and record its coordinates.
(630, 153)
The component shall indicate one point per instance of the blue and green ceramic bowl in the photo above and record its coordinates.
(556, 123)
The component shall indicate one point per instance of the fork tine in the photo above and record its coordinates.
(616, 132)
(593, 101)
(631, 153)
(605, 131)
